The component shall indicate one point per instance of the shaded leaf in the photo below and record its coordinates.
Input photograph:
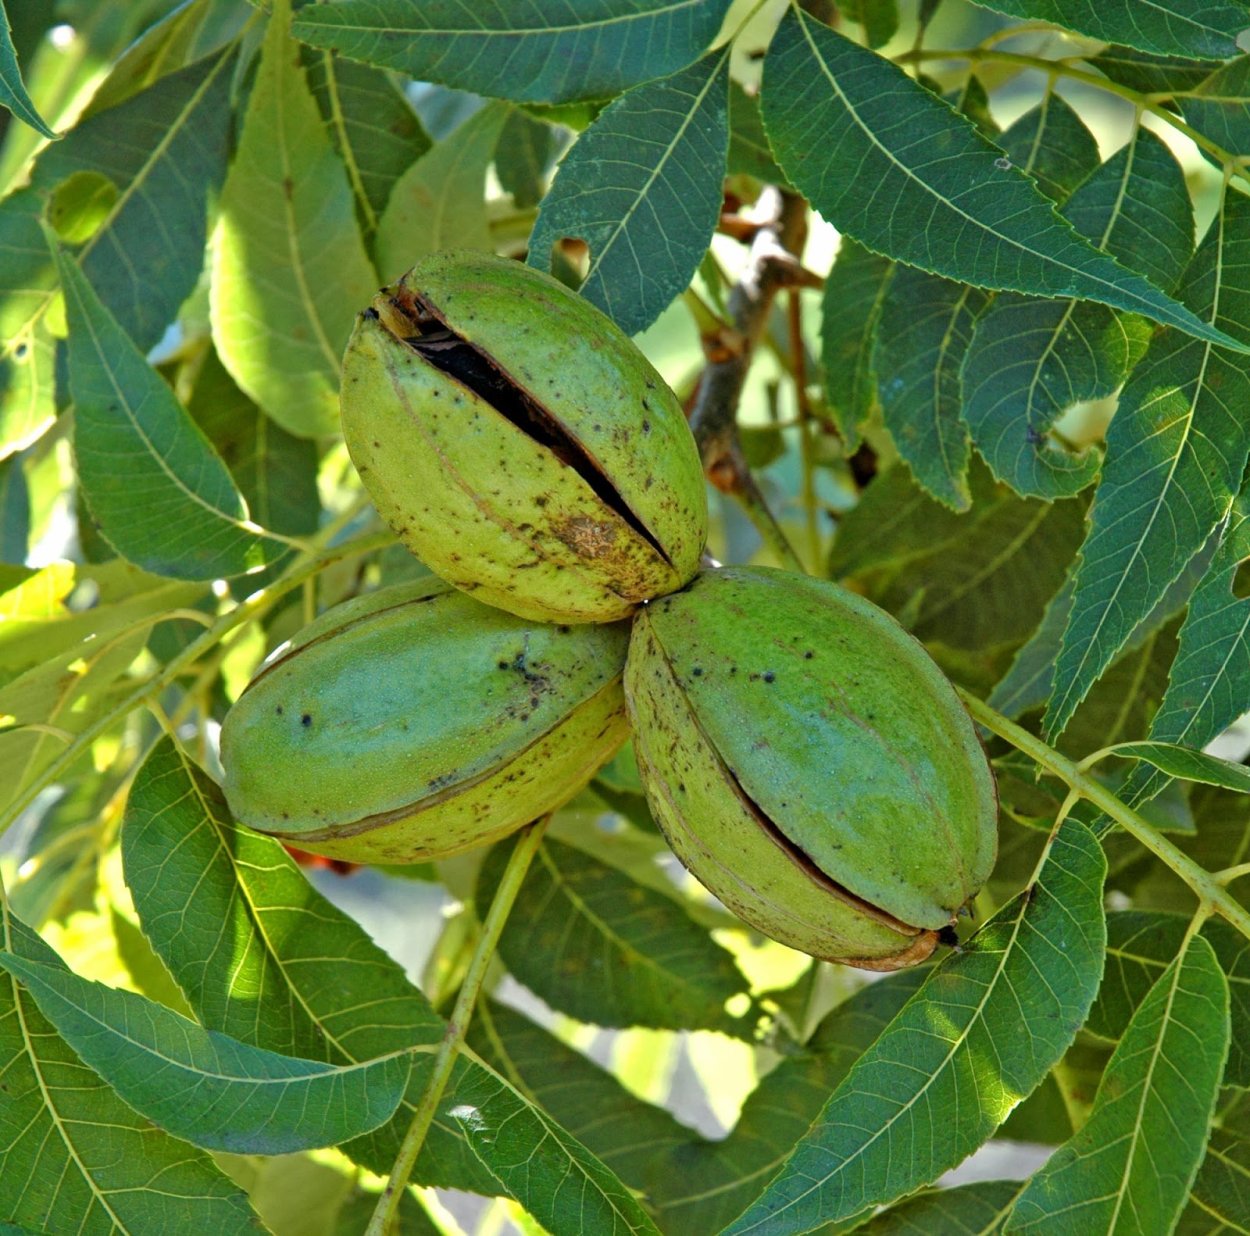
(13, 94)
(1207, 28)
(1030, 360)
(524, 157)
(1130, 1167)
(979, 1035)
(1176, 451)
(156, 487)
(642, 187)
(1140, 946)
(73, 1156)
(289, 270)
(1219, 1201)
(537, 51)
(1219, 106)
(437, 203)
(879, 19)
(978, 1209)
(850, 311)
(1148, 73)
(373, 126)
(209, 1089)
(595, 944)
(904, 174)
(14, 512)
(1188, 764)
(922, 334)
(749, 152)
(970, 580)
(1051, 143)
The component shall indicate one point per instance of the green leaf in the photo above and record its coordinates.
(205, 1087)
(899, 170)
(158, 490)
(1209, 685)
(596, 945)
(1031, 360)
(438, 202)
(642, 188)
(13, 94)
(978, 1209)
(1219, 1201)
(74, 1157)
(289, 269)
(850, 311)
(979, 1035)
(1051, 143)
(922, 333)
(373, 126)
(1150, 74)
(1140, 946)
(973, 580)
(1203, 28)
(275, 471)
(262, 956)
(14, 512)
(1187, 764)
(1219, 107)
(523, 158)
(749, 152)
(534, 51)
(1130, 1167)
(879, 19)
(1176, 451)
(165, 150)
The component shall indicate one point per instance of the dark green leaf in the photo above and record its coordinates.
(896, 168)
(1030, 361)
(289, 270)
(13, 94)
(979, 1035)
(749, 152)
(970, 581)
(1203, 28)
(159, 491)
(642, 188)
(1131, 1165)
(204, 1087)
(978, 1209)
(538, 51)
(1176, 451)
(375, 130)
(1151, 74)
(1219, 107)
(14, 512)
(74, 1157)
(438, 202)
(1051, 143)
(1140, 946)
(1219, 1201)
(850, 311)
(879, 19)
(524, 157)
(922, 334)
(602, 948)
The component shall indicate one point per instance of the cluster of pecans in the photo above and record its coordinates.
(802, 754)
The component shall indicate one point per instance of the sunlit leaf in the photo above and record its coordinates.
(539, 51)
(437, 203)
(979, 1035)
(289, 269)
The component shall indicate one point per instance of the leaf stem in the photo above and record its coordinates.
(384, 1215)
(1205, 886)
